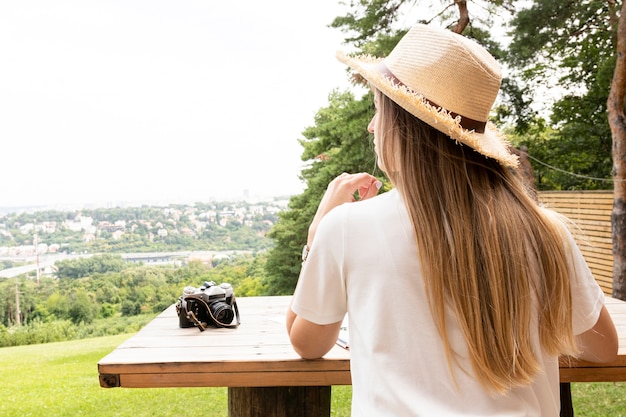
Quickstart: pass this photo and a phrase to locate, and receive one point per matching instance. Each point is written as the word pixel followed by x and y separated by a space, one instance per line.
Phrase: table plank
pixel 257 353
pixel 229 379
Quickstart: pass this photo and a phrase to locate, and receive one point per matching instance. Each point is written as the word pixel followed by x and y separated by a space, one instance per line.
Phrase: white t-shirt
pixel 363 262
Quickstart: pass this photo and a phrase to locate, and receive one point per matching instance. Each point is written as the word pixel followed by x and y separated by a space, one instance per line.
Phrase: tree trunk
pixel 617 122
pixel 464 19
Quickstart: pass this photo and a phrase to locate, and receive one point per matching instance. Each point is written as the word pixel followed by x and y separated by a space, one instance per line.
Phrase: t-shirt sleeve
pixel 587 296
pixel 320 295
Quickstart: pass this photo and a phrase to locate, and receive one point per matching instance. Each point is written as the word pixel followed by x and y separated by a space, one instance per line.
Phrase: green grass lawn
pixel 61 380
pixel 605 399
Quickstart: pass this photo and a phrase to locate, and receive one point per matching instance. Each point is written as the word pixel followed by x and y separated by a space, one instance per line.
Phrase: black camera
pixel 209 305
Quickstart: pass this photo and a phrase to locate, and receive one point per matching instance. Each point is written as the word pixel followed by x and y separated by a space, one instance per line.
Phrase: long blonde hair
pixel 488 252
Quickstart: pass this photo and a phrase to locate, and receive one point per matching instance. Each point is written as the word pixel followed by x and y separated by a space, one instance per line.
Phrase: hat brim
pixel 490 143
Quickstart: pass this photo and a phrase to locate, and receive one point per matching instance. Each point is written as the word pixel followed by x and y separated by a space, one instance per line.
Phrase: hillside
pixel 215 226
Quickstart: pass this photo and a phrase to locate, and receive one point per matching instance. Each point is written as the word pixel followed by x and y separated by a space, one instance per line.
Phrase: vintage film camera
pixel 209 305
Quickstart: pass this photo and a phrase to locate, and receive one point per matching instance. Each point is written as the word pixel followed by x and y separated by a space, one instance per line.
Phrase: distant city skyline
pixel 129 101
pixel 68 206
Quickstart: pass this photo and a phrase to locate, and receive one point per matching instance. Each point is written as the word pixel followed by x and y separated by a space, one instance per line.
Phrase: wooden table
pixel 256 361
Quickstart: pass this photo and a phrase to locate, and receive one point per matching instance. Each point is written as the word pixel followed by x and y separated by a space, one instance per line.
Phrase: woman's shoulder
pixel 382 202
pixel 382 209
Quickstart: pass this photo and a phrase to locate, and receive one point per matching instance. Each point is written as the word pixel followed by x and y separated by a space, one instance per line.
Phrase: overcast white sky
pixel 160 101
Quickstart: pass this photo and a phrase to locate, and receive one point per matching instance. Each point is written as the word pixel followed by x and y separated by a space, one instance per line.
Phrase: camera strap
pixel 202 326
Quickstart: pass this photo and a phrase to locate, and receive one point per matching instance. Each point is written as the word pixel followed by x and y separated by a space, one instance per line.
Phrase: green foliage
pixel 131 308
pixel 81 309
pixel 368 19
pixel 561 56
pixel 564 156
pixel 109 300
pixel 290 235
pixel 86 267
pixel 571 43
pixel 57 304
pixel 37 332
pixel 339 142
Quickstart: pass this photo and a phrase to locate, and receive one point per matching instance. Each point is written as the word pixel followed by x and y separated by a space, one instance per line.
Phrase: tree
pixel 58 304
pixel 617 121
pixel 339 142
pixel 561 55
pixel 84 267
pixel 82 309
pixel 582 44
pixel 131 308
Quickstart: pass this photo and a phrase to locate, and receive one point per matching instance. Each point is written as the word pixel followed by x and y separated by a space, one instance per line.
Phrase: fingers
pixel 364 184
pixel 343 188
pixel 371 191
pixel 354 182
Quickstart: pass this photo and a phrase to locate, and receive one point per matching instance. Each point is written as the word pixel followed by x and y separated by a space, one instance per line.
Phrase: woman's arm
pixel 310 340
pixel 600 343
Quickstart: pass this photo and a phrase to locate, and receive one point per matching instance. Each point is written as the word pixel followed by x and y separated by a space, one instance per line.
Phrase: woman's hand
pixel 342 190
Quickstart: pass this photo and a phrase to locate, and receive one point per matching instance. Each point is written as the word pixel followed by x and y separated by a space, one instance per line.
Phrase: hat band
pixel 465 122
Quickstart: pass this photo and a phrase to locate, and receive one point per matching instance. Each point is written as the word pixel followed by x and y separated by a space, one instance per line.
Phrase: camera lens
pixel 222 312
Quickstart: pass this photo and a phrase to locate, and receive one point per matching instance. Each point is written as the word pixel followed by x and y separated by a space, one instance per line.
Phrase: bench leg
pixel 567 409
pixel 279 401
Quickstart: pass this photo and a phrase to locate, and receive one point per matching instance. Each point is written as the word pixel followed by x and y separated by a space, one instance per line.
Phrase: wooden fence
pixel 591 211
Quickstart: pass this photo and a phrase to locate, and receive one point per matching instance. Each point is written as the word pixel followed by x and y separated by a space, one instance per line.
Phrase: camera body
pixel 208 305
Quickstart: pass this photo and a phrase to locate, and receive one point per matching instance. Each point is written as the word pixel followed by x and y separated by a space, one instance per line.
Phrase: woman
pixel 461 292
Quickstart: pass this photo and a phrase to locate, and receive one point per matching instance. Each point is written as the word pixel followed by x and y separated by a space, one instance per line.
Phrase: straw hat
pixel 444 79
